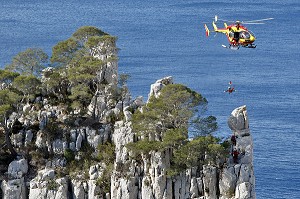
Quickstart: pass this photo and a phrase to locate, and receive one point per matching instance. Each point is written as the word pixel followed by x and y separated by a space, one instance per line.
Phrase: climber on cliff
pixel 235 155
pixel 230 88
pixel 233 140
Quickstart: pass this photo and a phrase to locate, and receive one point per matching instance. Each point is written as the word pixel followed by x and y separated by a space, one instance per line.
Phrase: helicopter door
pixel 236 36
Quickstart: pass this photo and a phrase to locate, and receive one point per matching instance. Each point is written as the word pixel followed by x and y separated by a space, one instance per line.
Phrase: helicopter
pixel 237 34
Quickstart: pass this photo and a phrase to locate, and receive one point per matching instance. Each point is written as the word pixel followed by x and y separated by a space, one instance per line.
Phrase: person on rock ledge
pixel 233 140
pixel 235 155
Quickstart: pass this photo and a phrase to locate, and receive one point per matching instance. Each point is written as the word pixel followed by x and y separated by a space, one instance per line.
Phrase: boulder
pixel 238 119
pixel 18 168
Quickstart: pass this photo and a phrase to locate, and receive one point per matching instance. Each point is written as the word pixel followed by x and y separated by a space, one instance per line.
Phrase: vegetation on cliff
pixel 165 122
pixel 71 82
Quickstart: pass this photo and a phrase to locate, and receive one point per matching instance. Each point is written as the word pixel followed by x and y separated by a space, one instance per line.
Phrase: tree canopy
pixel 165 122
pixel 29 62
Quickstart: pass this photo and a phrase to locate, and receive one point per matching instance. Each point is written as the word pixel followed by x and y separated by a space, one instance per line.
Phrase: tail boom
pixel 206 30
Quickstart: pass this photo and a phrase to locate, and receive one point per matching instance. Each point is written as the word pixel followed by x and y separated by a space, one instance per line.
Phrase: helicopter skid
pixel 236 47
pixel 249 46
pixel 232 47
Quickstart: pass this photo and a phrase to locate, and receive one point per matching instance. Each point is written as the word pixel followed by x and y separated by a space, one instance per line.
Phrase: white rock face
pixel 158 85
pixel 243 171
pixel 79 189
pixel 105 51
pixel 46 186
pixel 14 188
pixel 235 180
pixel 210 182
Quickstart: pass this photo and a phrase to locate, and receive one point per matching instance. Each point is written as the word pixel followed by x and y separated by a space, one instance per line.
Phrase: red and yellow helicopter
pixel 237 34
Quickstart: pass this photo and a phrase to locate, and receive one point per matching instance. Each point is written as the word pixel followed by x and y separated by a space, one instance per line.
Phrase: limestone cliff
pixel 149 180
pixel 43 169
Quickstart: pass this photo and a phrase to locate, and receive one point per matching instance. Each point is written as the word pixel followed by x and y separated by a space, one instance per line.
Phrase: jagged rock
pixel 73 135
pixel 17 139
pixel 200 186
pixel 127 113
pixel 65 145
pixel 130 178
pixel 18 168
pixel 210 181
pixel 28 137
pixel 56 162
pixel 93 172
pixel 194 188
pixel 50 189
pixel 138 102
pixel 57 146
pixel 44 185
pixel 73 146
pixel 78 142
pixel 41 139
pixel 93 138
pixel 122 135
pixel 79 189
pixel 43 118
pixel 243 191
pixel 45 174
pixel 158 85
pixel 228 182
pixel 15 188
pixel 93 190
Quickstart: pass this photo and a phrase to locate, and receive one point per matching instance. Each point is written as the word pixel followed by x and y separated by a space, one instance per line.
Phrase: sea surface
pixel 167 38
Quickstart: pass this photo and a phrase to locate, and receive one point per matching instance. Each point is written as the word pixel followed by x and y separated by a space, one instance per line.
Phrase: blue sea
pixel 162 38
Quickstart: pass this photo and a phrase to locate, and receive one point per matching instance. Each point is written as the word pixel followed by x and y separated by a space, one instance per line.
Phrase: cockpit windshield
pixel 244 35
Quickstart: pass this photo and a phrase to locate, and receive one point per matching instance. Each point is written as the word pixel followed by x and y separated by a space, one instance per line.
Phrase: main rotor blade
pixel 252 23
pixel 258 20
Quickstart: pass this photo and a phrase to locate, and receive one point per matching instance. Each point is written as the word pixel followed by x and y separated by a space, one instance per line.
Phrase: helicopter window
pixel 245 35
pixel 236 35
pixel 231 34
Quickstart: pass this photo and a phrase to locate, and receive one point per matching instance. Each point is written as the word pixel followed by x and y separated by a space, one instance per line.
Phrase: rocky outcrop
pixel 14 185
pixel 45 185
pixel 131 179
pixel 158 85
pixel 244 172
pixel 109 119
pixel 235 180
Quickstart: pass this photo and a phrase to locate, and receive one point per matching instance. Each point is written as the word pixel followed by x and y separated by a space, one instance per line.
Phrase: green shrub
pixel 69 155
pixel 52 185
